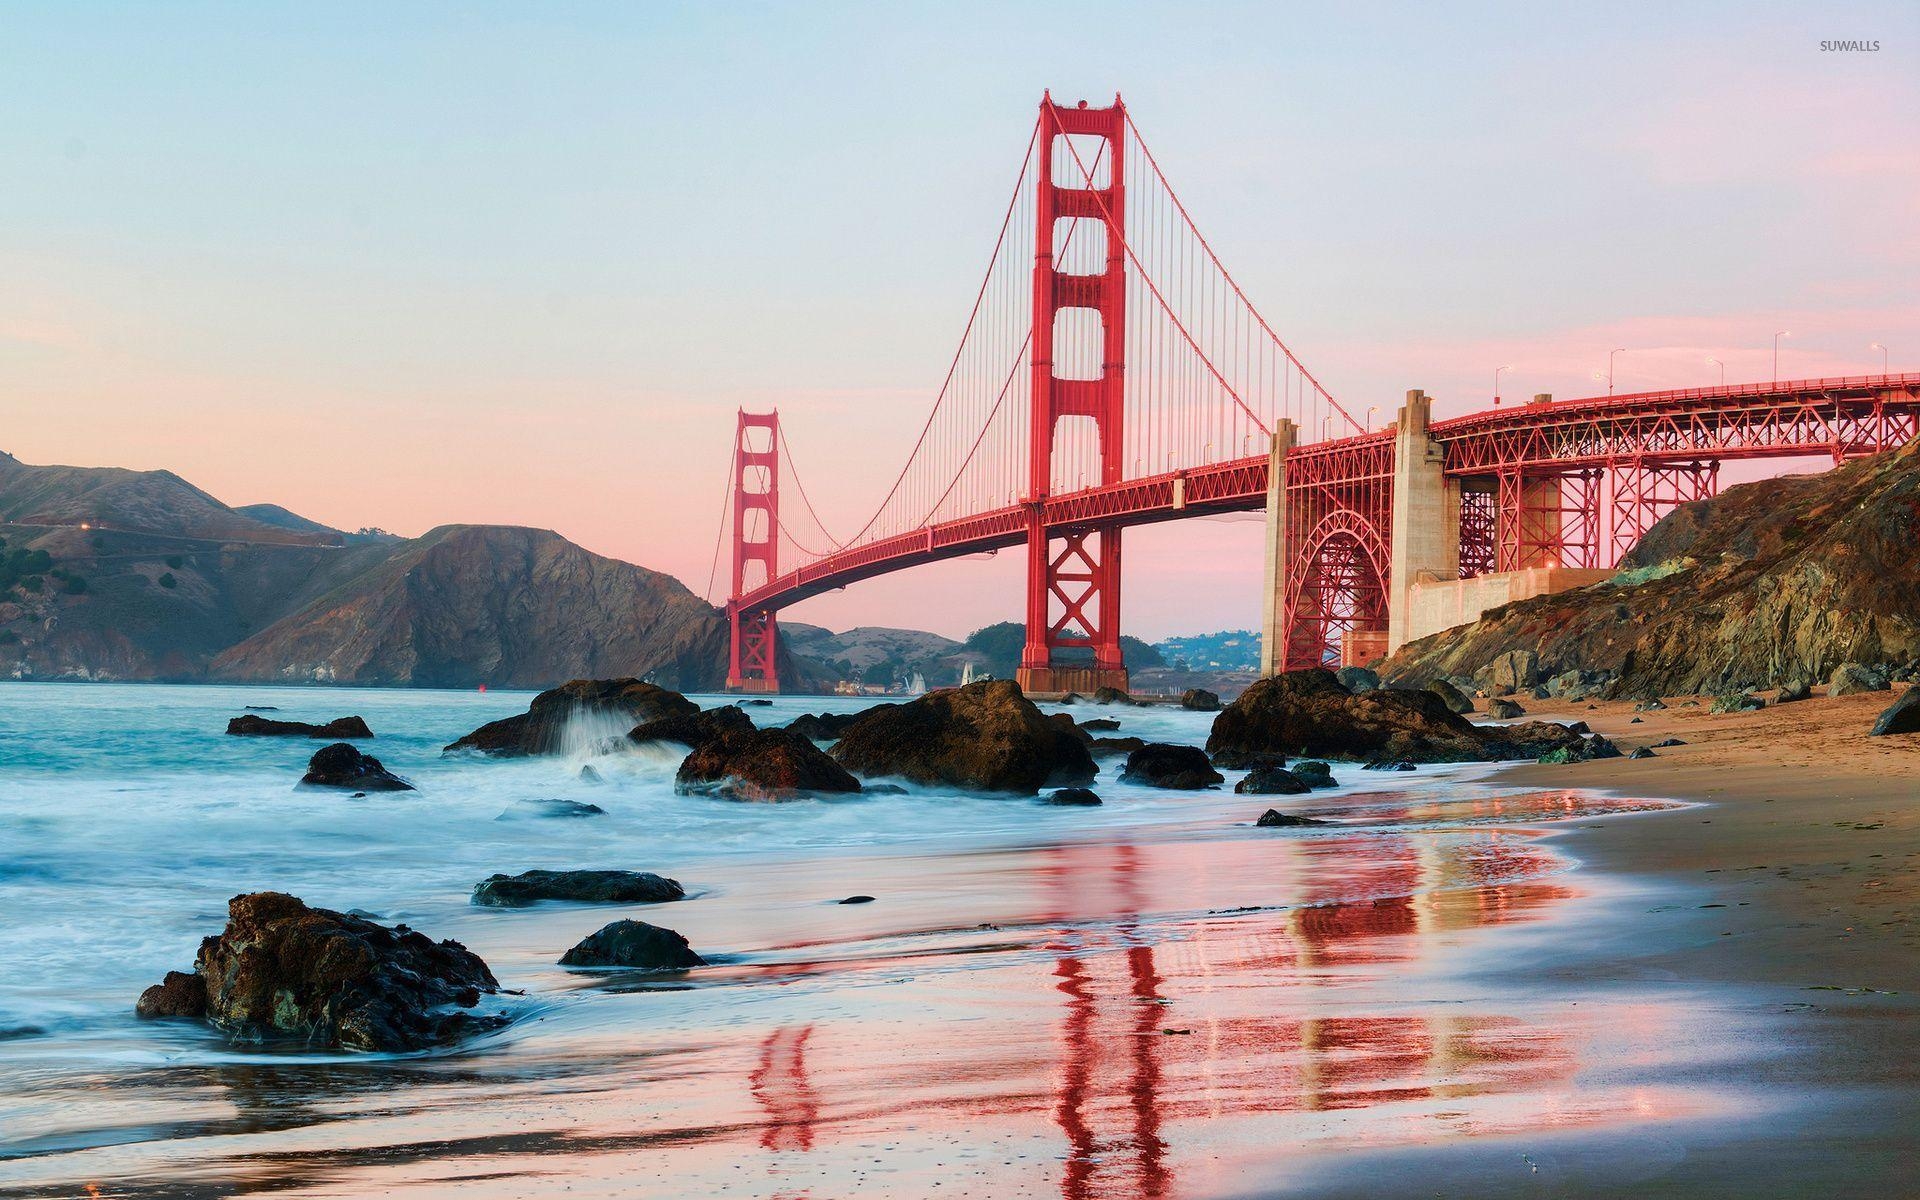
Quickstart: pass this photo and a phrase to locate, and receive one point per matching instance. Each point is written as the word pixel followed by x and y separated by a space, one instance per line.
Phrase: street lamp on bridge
pixel 1496 383
pixel 1776 353
pixel 1610 354
pixel 1723 369
pixel 1371 409
pixel 1883 356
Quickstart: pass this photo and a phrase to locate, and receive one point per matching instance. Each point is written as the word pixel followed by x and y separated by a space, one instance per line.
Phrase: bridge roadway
pixel 1791 419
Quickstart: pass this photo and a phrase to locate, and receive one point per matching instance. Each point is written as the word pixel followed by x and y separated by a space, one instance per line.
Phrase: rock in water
pixel 762 764
pixel 1357 679
pixel 1308 713
pixel 1455 699
pixel 1108 747
pixel 1314 774
pixel 985 736
pixel 1504 710
pixel 1199 700
pixel 540 729
pixel 826 727
pixel 1902 716
pixel 1179 768
pixel 581 887
pixel 1273 818
pixel 636 945
pixel 695 729
pixel 1077 796
pixel 1271 781
pixel 331 979
pixel 1099 725
pixel 532 810
pixel 342 766
pixel 1112 695
pixel 339 727
pixel 1852 678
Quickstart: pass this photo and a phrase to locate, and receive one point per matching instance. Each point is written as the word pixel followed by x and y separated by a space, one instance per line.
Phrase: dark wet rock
pixel 1902 716
pixel 589 775
pixel 1504 710
pixel 1579 727
pixel 1075 796
pixel 1455 699
pixel 579 887
pixel 1109 747
pixel 1072 698
pixel 1655 704
pixel 635 945
pixel 1308 713
pixel 1667 743
pixel 1636 721
pixel 1736 702
pixel 694 729
pixel 1112 695
pixel 10 1033
pixel 1271 781
pixel 1581 750
pixel 1852 678
pixel 856 900
pixel 1642 752
pixel 1314 774
pixel 1200 700
pixel 762 764
pixel 1273 818
pixel 342 766
pixel 1100 725
pixel 1237 759
pixel 534 810
pixel 754 703
pixel 1163 765
pixel 1540 692
pixel 1067 724
pixel 541 728
pixel 261 707
pixel 1358 679
pixel 281 968
pixel 339 727
pixel 882 789
pixel 1792 690
pixel 985 736
pixel 827 727
pixel 1388 766
pixel 180 994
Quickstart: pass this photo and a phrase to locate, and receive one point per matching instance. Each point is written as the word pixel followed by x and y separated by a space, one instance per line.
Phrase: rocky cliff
pixel 1768 582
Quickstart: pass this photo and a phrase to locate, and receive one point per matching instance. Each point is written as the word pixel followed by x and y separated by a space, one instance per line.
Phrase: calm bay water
pixel 1150 998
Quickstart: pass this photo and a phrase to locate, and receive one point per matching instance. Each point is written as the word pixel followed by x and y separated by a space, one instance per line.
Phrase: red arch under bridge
pixel 1112 373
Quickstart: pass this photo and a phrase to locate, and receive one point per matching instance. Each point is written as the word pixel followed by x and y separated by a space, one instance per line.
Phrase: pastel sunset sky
pixel 403 265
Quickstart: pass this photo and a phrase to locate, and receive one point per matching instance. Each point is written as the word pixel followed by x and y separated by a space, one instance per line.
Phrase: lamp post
pixel 1496 383
pixel 1723 369
pixel 1324 435
pixel 1371 409
pixel 1776 353
pixel 1883 356
pixel 1610 354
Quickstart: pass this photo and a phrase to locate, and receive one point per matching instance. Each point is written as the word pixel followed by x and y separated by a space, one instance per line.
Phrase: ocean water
pixel 1041 1001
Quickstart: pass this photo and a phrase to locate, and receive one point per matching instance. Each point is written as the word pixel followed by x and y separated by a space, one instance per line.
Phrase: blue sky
pixel 402 265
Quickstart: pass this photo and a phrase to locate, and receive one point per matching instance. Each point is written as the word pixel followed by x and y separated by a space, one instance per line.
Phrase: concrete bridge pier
pixel 1274 621
pixel 1425 544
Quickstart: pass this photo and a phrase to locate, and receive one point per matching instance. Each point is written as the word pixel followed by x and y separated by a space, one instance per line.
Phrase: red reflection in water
pixel 781 1086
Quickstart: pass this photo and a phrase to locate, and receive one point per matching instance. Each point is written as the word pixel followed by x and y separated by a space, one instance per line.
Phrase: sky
pixel 404 265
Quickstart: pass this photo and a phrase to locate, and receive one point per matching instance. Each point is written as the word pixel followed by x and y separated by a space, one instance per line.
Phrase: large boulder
pixel 1112 695
pixel 342 766
pixel 985 736
pixel 542 728
pixel 1074 797
pixel 1852 678
pixel 1455 699
pixel 635 945
pixel 1179 768
pixel 549 808
pixel 1200 700
pixel 1514 671
pixel 1271 781
pixel 694 729
pixel 1308 713
pixel 1273 818
pixel 762 764
pixel 329 979
pixel 1504 710
pixel 1358 679
pixel 1902 716
pixel 254 725
pixel 1108 747
pixel 1792 690
pixel 580 887
pixel 826 727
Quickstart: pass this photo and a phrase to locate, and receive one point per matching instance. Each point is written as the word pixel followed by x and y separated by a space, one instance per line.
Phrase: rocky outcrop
pixel 1112 695
pixel 578 887
pixel 634 945
pixel 1850 679
pixel 1788 578
pixel 542 728
pixel 1309 713
pixel 253 725
pixel 762 764
pixel 1110 747
pixel 1178 768
pixel 694 729
pixel 283 969
pixel 1456 700
pixel 342 766
pixel 983 737
pixel 1200 700
pixel 1902 716
pixel 1357 679
pixel 827 727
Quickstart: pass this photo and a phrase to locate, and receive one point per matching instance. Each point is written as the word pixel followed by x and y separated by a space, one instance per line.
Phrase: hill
pixel 1769 582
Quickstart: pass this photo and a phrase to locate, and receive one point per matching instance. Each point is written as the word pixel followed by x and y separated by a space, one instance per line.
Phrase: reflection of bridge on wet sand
pixel 1236 1015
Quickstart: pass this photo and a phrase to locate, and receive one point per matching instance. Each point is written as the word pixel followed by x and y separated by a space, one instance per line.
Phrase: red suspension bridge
pixel 1112 373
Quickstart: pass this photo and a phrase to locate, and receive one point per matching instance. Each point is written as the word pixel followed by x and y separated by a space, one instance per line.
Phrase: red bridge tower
pixel 1079 578
pixel 755 636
